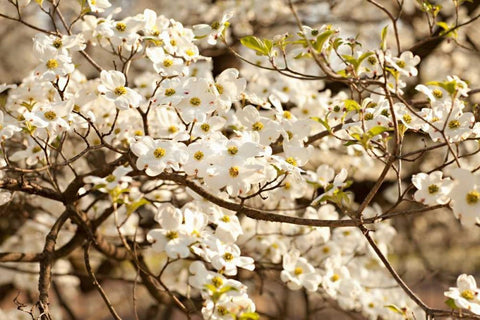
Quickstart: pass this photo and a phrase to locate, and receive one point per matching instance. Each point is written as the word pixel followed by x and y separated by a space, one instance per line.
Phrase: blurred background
pixel 429 251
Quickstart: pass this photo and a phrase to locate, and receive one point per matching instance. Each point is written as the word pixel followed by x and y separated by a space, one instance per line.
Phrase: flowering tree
pixel 202 187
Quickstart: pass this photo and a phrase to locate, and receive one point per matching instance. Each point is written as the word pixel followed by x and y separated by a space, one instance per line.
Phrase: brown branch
pixel 45 274
pixel 29 187
pixel 431 312
pixel 97 284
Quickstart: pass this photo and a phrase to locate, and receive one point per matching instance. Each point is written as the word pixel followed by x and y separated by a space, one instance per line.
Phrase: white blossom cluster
pixel 198 151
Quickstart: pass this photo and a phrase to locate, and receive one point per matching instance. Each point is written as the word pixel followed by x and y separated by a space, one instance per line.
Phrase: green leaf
pixel 226 289
pixel 210 287
pixel 364 56
pixel 447 30
pixel 351 105
pixel 383 37
pixel 395 309
pixel 451 303
pixel 449 86
pixel 376 131
pixel 337 43
pixel 249 316
pixel 135 205
pixel 324 122
pixel 322 38
pixel 262 47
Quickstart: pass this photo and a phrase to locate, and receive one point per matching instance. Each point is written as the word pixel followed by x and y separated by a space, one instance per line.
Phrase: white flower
pixel 466 294
pixel 98 5
pixel 154 156
pixel 432 189
pixel 229 87
pixel 198 101
pixel 179 231
pixel 298 273
pixel 118 179
pixel 52 67
pixel 338 184
pixel 165 64
pixel 58 45
pixel 465 196
pixel 7 128
pixel 226 258
pixel 267 129
pixel 113 88
pixel 405 64
pixel 32 154
pixel 212 31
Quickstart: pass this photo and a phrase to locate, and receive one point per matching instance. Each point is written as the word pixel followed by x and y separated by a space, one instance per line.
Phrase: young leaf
pixel 383 43
pixel 262 47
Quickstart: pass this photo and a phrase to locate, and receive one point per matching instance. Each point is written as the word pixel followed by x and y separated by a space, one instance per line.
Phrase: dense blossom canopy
pixel 201 179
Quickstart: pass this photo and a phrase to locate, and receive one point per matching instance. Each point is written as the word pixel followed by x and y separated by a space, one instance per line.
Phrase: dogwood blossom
pixel 432 189
pixel 113 89
pixel 466 294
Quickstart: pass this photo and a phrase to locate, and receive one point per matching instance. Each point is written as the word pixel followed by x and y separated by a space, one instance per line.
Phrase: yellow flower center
pixel 120 26
pixel 195 101
pixel 36 149
pixel 368 116
pixel 407 118
pixel 298 271
pixel 257 126
pixel 159 152
pixel 291 161
pixel 171 235
pixel 170 92
pixel 205 127
pixel 454 124
pixel 401 64
pixel 335 277
pixel 110 178
pixel 119 91
pixel 217 282
pixel 219 88
pixel 198 155
pixel 234 172
pixel 222 310
pixel 433 188
pixel 473 197
pixel 232 150
pixel 468 294
pixel 287 114
pixel 225 218
pixel 437 93
pixel 57 43
pixel 50 115
pixel 372 60
pixel 52 64
pixel 167 63
pixel 172 129
pixel 215 25
pixel 228 256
